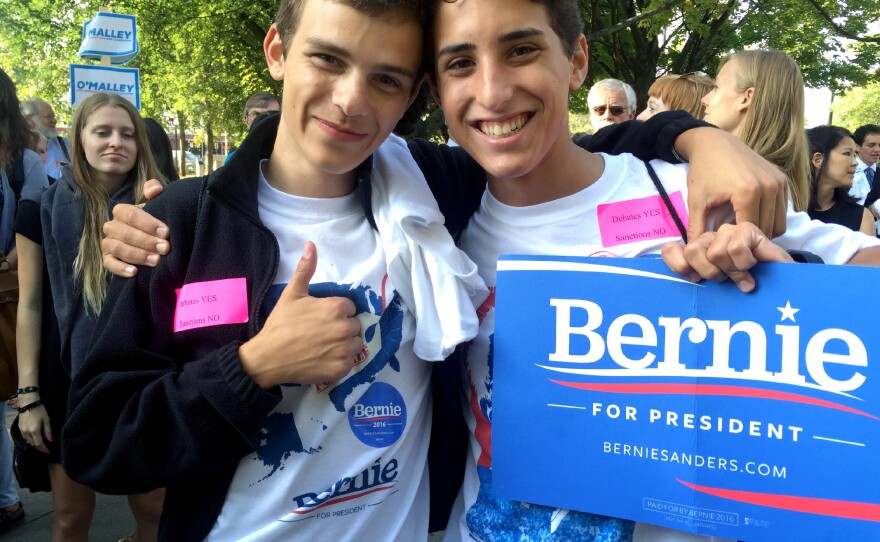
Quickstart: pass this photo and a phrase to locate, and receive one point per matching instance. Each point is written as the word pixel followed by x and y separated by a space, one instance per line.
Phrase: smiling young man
pixel 512 63
pixel 279 408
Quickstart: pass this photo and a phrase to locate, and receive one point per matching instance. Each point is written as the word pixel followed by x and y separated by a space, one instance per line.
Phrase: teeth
pixel 499 129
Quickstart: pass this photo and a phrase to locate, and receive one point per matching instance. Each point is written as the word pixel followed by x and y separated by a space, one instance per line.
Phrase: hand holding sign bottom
pixel 305 340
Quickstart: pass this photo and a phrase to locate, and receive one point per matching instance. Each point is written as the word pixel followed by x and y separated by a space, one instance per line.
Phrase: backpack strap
pixel 63 148
pixel 666 201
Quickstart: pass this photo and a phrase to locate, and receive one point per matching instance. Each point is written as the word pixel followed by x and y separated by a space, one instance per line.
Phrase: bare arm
pixel 867 257
pixel 868 227
pixel 34 423
pixel 723 169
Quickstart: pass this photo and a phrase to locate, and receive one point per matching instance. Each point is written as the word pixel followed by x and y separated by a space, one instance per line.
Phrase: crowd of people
pixel 330 268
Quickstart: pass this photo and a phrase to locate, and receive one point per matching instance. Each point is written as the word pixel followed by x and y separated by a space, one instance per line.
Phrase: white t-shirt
pixel 592 222
pixel 345 460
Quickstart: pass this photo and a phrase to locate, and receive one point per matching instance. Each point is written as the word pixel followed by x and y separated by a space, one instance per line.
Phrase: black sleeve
pixel 148 409
pixel 455 178
pixel 648 140
pixel 874 194
pixel 27 220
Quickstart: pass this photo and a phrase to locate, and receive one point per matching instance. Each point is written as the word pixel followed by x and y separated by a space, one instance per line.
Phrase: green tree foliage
pixel 637 40
pixel 202 58
pixel 858 107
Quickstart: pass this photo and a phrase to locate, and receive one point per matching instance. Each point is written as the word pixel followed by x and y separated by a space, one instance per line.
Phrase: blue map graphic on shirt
pixel 492 519
pixel 281 439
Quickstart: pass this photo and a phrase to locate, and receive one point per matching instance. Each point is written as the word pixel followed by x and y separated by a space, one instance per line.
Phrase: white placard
pixel 112 35
pixel 86 80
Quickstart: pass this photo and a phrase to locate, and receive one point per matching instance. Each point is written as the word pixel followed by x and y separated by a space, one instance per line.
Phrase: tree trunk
pixel 181 143
pixel 209 152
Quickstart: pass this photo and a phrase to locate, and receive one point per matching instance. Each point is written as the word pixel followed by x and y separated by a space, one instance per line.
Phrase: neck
pixel 565 170
pixel 110 183
pixel 825 196
pixel 287 172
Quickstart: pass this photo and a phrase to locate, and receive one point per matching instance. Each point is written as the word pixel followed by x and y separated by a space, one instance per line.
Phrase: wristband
pixel 27 407
pixel 27 389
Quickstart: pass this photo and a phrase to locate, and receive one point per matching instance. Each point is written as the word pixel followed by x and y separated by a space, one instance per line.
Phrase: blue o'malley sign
pixel 623 390
pixel 110 35
pixel 87 80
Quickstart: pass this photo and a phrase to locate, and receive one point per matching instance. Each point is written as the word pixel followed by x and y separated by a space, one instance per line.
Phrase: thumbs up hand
pixel 306 339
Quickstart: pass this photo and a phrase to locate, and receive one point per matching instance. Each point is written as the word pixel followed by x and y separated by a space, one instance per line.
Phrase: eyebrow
pixel 513 35
pixel 345 54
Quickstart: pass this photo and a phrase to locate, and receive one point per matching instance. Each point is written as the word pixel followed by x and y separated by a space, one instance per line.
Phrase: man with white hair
pixel 611 101
pixel 41 115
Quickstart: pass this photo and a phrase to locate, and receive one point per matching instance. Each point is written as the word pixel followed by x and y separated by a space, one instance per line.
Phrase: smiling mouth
pixel 506 128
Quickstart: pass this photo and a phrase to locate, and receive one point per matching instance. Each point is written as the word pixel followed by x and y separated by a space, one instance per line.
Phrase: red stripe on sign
pixel 810 505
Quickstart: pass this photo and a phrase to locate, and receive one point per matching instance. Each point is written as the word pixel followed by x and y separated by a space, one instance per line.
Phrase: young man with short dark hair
pixel 268 372
pixel 509 63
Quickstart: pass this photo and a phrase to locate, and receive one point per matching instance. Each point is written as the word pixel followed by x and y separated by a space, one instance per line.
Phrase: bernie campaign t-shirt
pixel 619 215
pixel 342 460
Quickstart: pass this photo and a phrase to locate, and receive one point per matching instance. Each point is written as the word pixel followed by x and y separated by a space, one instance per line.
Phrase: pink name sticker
pixel 641 219
pixel 211 303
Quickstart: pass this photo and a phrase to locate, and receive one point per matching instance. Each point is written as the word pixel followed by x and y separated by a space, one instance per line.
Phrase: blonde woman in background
pixel 759 97
pixel 62 288
pixel 684 92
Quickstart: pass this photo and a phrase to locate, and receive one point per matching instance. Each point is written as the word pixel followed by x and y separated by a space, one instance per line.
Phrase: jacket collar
pixel 236 182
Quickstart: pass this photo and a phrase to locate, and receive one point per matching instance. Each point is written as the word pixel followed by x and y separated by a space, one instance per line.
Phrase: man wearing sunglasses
pixel 611 101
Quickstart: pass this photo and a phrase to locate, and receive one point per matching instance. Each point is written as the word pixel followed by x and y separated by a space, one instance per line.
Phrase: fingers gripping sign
pixel 728 253
pixel 306 339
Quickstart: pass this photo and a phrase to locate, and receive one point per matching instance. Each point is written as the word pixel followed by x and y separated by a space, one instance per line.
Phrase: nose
pixel 493 88
pixel 115 140
pixel 350 95
pixel 644 115
pixel 705 99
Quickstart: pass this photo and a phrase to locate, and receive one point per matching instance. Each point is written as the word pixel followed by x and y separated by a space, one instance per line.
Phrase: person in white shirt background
pixel 867 137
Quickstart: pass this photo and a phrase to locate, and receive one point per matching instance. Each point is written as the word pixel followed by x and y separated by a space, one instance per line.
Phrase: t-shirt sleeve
pixel 35 179
pixel 833 243
pixel 27 221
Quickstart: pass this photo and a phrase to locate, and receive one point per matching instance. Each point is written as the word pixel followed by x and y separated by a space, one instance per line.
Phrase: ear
pixel 273 47
pixel 817 159
pixel 432 84
pixel 579 63
pixel 417 86
pixel 746 99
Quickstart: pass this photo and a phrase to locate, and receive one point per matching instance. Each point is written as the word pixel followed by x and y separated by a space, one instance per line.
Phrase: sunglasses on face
pixel 616 110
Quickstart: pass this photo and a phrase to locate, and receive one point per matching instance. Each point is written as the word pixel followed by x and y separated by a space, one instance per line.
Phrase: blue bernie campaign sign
pixel 623 390
pixel 86 80
pixel 113 35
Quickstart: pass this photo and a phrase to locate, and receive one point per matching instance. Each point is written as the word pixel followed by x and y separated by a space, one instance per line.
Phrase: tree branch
pixel 839 29
pixel 633 20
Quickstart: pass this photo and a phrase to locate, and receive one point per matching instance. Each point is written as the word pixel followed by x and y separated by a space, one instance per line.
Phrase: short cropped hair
pixel 612 85
pixel 289 13
pixel 863 131
pixel 260 99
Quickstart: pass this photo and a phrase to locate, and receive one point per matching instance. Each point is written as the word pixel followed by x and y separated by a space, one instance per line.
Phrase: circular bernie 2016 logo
pixel 379 417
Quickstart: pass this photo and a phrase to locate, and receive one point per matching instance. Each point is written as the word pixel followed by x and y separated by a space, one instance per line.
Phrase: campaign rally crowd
pixel 299 345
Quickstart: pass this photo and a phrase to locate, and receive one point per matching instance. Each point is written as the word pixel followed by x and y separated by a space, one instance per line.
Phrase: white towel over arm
pixel 436 280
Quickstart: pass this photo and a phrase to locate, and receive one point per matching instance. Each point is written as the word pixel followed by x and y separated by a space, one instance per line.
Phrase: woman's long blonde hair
pixel 88 268
pixel 773 125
